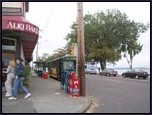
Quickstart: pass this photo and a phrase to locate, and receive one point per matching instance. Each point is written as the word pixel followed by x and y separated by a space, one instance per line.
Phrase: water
pixel 121 70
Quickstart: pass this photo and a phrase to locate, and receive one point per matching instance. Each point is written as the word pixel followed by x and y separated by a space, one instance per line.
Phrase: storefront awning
pixel 19 23
pixel 28 32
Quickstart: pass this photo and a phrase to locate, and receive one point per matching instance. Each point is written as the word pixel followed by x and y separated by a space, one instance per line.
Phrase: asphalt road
pixel 118 94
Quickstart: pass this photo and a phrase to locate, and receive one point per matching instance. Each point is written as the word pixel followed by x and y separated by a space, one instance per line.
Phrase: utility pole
pixel 37 55
pixel 80 39
pixel 37 51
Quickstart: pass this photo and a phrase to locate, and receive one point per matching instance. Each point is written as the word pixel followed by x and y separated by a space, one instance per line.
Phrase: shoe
pixel 12 98
pixel 8 95
pixel 28 95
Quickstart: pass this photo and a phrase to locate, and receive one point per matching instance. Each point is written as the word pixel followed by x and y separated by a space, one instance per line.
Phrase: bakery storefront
pixel 19 38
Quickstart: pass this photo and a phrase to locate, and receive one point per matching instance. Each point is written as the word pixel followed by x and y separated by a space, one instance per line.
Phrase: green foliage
pixel 108 35
pixel 27 74
pixel 57 53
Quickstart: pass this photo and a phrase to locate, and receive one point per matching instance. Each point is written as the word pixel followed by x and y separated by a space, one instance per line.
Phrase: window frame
pixel 15 42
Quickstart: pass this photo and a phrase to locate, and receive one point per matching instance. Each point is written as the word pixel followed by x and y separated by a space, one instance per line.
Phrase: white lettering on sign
pixel 76 91
pixel 76 82
pixel 31 28
pixel 22 26
pixel 14 25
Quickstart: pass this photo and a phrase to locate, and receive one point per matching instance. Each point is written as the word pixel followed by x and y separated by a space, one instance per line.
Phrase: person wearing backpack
pixel 19 78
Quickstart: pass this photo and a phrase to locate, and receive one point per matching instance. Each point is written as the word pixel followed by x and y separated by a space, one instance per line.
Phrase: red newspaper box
pixel 74 85
pixel 45 75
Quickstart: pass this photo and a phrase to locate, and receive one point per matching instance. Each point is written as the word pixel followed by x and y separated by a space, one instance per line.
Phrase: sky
pixel 54 20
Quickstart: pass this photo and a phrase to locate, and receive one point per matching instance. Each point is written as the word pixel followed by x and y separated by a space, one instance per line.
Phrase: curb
pixel 84 111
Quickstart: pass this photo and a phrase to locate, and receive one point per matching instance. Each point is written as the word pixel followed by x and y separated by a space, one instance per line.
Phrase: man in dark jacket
pixel 18 83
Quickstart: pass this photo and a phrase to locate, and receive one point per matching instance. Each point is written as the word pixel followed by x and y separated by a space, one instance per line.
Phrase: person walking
pixel 99 69
pixel 19 78
pixel 10 76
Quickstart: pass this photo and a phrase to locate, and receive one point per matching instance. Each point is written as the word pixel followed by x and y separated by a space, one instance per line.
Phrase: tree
pixel 108 35
pixel 130 46
pixel 27 75
pixel 56 54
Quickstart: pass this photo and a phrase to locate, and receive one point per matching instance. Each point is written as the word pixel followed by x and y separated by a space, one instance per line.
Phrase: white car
pixel 91 71
pixel 109 72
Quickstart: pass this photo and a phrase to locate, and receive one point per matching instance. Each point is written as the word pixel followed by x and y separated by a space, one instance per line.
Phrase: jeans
pixel 18 83
pixel 8 83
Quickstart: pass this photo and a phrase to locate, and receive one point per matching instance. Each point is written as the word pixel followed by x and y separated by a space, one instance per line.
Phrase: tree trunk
pixel 130 63
pixel 103 64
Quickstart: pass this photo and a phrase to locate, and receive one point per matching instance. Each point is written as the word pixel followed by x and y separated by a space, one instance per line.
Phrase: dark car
pixel 136 73
pixel 90 71
pixel 109 72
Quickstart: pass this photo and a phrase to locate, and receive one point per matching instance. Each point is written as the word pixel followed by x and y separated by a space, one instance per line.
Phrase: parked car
pixel 109 72
pixel 90 71
pixel 136 73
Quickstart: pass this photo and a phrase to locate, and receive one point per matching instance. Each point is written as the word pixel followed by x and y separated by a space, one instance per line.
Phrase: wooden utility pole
pixel 80 39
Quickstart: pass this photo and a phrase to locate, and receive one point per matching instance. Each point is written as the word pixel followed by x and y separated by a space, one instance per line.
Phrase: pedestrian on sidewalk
pixel 10 76
pixel 19 78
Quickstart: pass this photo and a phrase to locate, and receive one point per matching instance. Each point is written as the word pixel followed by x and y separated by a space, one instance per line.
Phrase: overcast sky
pixel 55 18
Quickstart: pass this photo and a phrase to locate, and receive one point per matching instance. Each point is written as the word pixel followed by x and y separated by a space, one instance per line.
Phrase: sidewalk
pixel 47 97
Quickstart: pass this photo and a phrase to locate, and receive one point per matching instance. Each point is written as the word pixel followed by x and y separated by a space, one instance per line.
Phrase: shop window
pixel 6 58
pixel 9 44
pixel 68 65
pixel 12 11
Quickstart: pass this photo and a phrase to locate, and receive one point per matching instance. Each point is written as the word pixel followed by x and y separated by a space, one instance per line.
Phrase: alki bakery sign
pixel 23 27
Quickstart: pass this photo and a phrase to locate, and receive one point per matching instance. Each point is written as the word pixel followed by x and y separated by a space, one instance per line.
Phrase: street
pixel 118 94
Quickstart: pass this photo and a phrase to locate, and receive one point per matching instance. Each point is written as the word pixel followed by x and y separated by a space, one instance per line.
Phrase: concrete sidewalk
pixel 47 97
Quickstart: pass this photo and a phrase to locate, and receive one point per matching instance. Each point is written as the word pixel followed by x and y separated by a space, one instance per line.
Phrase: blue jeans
pixel 18 83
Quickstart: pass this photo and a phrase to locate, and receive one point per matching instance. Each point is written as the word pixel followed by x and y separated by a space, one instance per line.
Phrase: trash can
pixel 45 75
pixel 39 72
